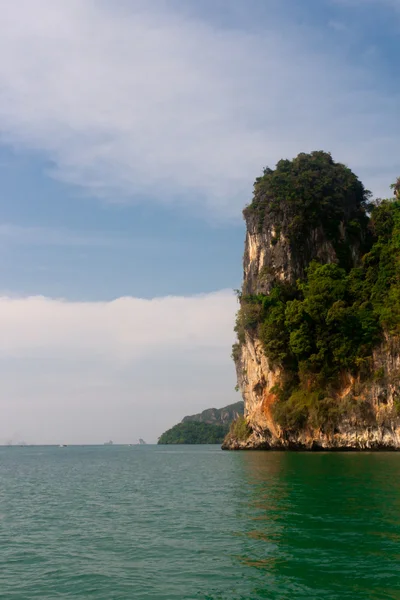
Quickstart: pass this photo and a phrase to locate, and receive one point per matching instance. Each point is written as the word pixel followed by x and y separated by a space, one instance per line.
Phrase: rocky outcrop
pixel 375 427
pixel 269 256
pixel 370 415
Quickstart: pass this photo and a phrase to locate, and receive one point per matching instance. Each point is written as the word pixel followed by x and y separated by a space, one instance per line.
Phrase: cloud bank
pixel 139 103
pixel 122 370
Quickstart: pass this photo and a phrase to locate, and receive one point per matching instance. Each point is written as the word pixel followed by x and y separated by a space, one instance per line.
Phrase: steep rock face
pixel 273 254
pixel 268 258
pixel 280 245
pixel 378 429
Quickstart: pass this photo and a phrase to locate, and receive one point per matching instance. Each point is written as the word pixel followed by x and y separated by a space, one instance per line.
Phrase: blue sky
pixel 58 241
pixel 130 135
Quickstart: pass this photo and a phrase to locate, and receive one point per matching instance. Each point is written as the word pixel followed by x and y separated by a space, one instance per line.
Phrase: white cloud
pixel 83 372
pixel 143 104
pixel 123 329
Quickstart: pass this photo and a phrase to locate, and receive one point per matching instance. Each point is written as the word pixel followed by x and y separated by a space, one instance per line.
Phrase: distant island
pixel 208 427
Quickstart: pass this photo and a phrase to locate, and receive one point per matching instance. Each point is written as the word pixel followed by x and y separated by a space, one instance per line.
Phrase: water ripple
pixel 197 523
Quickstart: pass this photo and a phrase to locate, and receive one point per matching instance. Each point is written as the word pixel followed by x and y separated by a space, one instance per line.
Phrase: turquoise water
pixel 197 523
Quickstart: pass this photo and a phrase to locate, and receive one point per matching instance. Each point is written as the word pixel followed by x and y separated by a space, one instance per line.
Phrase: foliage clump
pixel 239 429
pixel 308 192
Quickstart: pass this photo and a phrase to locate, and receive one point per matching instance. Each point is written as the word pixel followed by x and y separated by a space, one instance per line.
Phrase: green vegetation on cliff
pixel 239 429
pixel 329 320
pixel 308 192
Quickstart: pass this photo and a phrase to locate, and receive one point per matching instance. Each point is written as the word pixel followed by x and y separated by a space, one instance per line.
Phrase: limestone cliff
pixel 320 213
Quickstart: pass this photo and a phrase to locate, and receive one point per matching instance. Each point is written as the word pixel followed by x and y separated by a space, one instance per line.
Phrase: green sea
pixel 194 522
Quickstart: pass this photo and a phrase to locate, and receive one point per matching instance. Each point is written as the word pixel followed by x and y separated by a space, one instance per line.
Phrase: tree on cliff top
pixel 310 190
pixel 396 188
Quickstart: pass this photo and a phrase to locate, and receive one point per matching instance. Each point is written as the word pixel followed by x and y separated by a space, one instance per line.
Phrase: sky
pixel 131 133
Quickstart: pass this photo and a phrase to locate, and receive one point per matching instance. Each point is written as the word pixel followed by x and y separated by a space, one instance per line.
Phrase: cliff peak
pixel 304 209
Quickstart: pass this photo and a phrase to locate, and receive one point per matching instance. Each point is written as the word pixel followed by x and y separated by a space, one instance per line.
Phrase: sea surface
pixel 188 522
